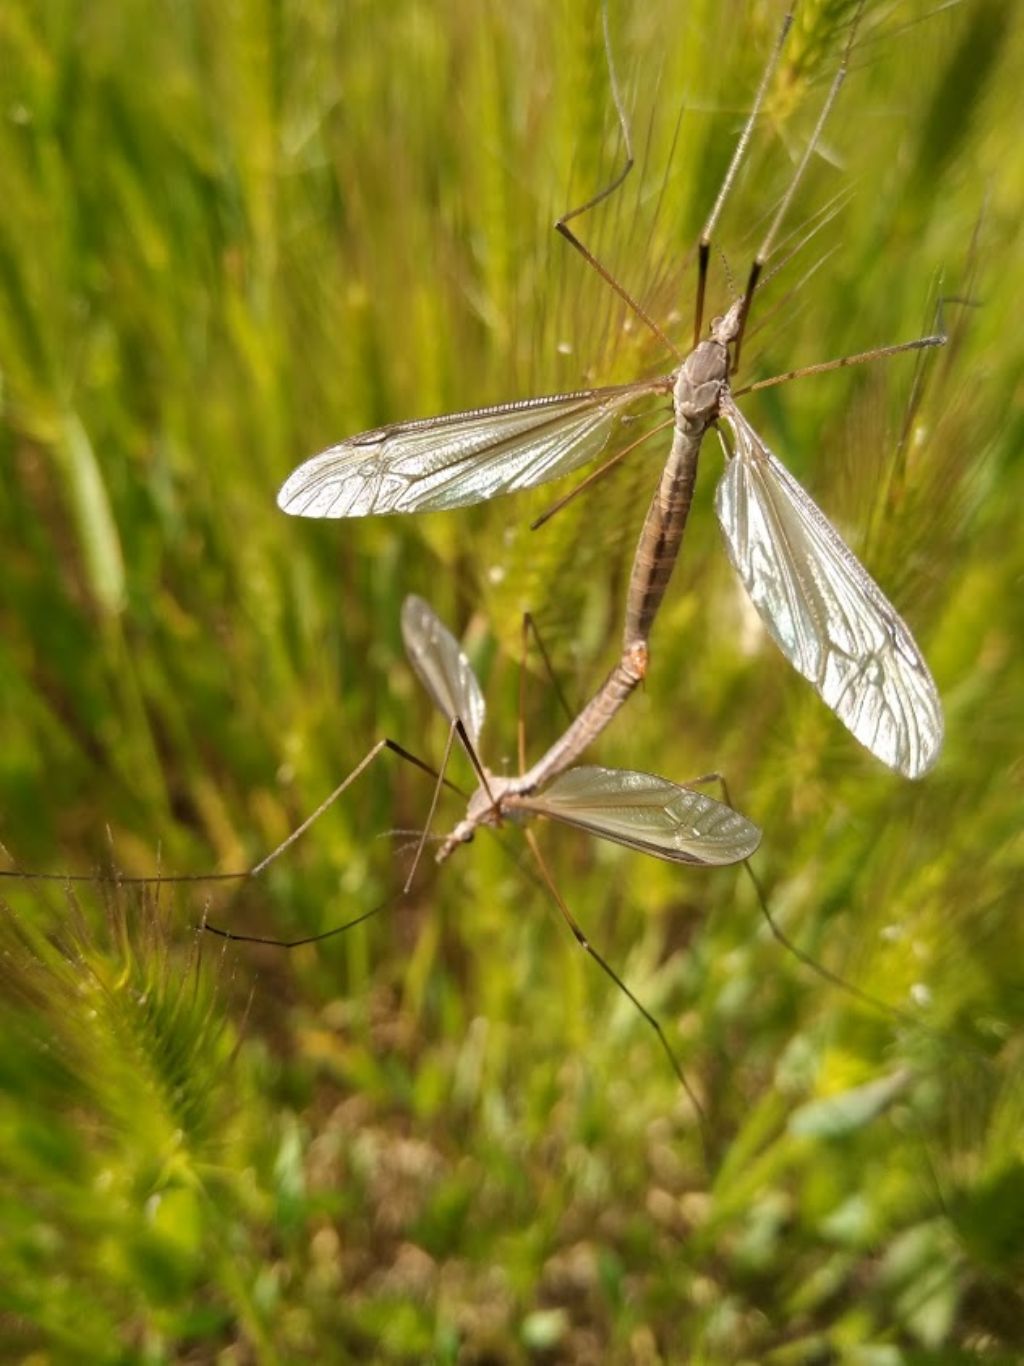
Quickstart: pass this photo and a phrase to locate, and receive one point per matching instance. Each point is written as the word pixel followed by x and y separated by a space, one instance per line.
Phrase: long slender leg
pixel 100 879
pixel 118 879
pixel 704 245
pixel 360 768
pixel 780 936
pixel 562 226
pixel 433 808
pixel 474 758
pixel 456 728
pixel 530 628
pixel 521 717
pixel 325 805
pixel 819 969
pixel 859 358
pixel 221 933
pixel 599 473
pixel 609 971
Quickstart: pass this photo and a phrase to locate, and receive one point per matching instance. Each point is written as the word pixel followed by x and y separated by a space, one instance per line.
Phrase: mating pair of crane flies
pixel 819 604
pixel 822 608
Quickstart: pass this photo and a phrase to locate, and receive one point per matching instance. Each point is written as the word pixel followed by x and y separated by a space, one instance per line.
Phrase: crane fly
pixel 641 811
pixel 819 604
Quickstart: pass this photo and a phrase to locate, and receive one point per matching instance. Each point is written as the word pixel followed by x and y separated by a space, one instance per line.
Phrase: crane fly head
pixel 484 809
pixel 727 328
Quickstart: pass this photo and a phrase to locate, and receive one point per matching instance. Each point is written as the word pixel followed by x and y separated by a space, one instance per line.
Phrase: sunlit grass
pixel 232 235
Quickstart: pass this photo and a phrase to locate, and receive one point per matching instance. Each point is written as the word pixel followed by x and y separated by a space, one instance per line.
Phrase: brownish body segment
pixel 702 379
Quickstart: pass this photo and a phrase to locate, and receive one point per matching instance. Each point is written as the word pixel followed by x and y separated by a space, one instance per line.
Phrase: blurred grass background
pixel 231 235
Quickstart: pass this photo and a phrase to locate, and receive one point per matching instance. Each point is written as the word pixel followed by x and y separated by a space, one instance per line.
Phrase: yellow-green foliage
pixel 232 233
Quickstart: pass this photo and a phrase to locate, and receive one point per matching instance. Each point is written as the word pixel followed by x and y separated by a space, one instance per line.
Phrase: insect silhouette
pixel 819 604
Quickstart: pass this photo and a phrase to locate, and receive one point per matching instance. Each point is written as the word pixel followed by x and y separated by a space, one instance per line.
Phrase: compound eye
pixel 468 839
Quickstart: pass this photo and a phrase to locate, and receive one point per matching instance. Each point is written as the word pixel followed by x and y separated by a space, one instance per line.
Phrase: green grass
pixel 232 234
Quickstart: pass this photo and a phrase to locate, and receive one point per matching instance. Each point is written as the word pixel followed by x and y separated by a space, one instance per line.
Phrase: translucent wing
pixel 463 458
pixel 443 668
pixel 825 612
pixel 646 813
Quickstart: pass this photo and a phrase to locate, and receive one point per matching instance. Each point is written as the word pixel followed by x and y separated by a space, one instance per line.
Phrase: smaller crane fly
pixel 639 810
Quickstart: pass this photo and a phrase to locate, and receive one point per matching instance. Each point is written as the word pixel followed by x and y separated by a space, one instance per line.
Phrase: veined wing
pixel 462 458
pixel 827 615
pixel 442 666
pixel 646 813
